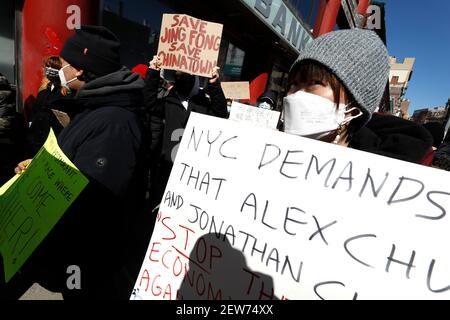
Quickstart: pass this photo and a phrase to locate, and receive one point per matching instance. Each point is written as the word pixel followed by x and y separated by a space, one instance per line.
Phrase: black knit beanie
pixel 94 49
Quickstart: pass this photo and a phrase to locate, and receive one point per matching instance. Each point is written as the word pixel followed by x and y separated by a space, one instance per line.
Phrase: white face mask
pixel 264 105
pixel 62 77
pixel 312 116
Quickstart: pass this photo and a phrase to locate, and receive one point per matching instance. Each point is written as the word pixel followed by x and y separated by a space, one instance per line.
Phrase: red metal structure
pixel 320 14
pixel 43 29
pixel 330 14
pixel 258 86
pixel 362 6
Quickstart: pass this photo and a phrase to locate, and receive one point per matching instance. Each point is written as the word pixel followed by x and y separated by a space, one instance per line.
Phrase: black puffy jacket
pixel 393 137
pixel 175 115
pixel 99 232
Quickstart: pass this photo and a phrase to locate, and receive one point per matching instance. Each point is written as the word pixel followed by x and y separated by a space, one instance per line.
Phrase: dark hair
pixel 52 62
pixel 55 63
pixel 310 69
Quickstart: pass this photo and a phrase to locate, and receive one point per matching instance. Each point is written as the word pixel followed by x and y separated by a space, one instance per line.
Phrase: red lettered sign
pixel 189 44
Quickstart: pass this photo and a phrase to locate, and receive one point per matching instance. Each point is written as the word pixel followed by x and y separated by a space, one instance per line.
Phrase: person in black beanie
pixel 267 100
pixel 106 141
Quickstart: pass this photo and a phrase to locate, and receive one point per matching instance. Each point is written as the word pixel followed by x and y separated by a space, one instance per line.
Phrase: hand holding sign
pixel 189 44
pixel 155 63
pixel 215 75
pixel 32 203
pixel 22 166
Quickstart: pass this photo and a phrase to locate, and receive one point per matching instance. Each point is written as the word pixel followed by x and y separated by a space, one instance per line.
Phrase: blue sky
pixel 421 29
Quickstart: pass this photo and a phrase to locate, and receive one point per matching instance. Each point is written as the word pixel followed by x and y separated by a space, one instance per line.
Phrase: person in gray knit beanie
pixel 336 84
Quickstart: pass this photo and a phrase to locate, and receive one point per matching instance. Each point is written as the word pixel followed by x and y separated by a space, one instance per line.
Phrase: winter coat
pixel 98 233
pixel 42 118
pixel 442 156
pixel 175 114
pixel 393 137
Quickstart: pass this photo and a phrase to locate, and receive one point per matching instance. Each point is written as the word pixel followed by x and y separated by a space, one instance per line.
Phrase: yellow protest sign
pixel 32 203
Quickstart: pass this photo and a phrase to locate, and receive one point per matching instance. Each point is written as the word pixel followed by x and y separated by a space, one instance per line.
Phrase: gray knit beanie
pixel 360 61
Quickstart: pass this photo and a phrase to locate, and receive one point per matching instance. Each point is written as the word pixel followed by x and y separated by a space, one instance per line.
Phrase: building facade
pixel 260 40
pixel 399 77
pixel 439 114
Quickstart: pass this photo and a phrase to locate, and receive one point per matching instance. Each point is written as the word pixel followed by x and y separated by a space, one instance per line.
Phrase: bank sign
pixel 276 15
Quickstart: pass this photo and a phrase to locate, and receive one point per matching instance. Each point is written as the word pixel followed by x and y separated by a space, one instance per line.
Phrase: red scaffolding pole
pixel 362 6
pixel 330 16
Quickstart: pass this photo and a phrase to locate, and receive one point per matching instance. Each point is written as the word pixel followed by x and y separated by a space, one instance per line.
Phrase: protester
pixel 48 110
pixel 155 128
pixel 167 82
pixel 100 232
pixel 267 100
pixel 185 97
pixel 335 86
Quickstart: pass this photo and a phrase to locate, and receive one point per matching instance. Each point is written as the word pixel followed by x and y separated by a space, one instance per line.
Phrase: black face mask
pixel 184 84
pixel 52 75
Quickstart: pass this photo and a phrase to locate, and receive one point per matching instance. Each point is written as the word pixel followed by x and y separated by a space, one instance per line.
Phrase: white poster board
pixel 255 116
pixel 296 219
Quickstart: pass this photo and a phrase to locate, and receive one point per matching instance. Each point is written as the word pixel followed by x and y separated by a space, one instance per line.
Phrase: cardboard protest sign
pixel 258 117
pixel 236 90
pixel 189 44
pixel 32 203
pixel 251 213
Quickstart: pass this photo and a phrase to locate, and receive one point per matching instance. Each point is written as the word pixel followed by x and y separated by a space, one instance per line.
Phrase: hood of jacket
pixel 393 137
pixel 120 89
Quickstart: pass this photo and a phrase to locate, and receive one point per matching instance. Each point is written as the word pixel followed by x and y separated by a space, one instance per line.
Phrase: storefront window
pixel 137 24
pixel 232 68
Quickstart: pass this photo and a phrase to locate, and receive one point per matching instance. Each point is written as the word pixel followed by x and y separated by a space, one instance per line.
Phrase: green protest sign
pixel 32 203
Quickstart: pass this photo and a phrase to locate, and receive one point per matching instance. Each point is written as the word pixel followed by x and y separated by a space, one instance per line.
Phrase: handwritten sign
pixel 255 116
pixel 252 213
pixel 32 203
pixel 236 90
pixel 189 44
